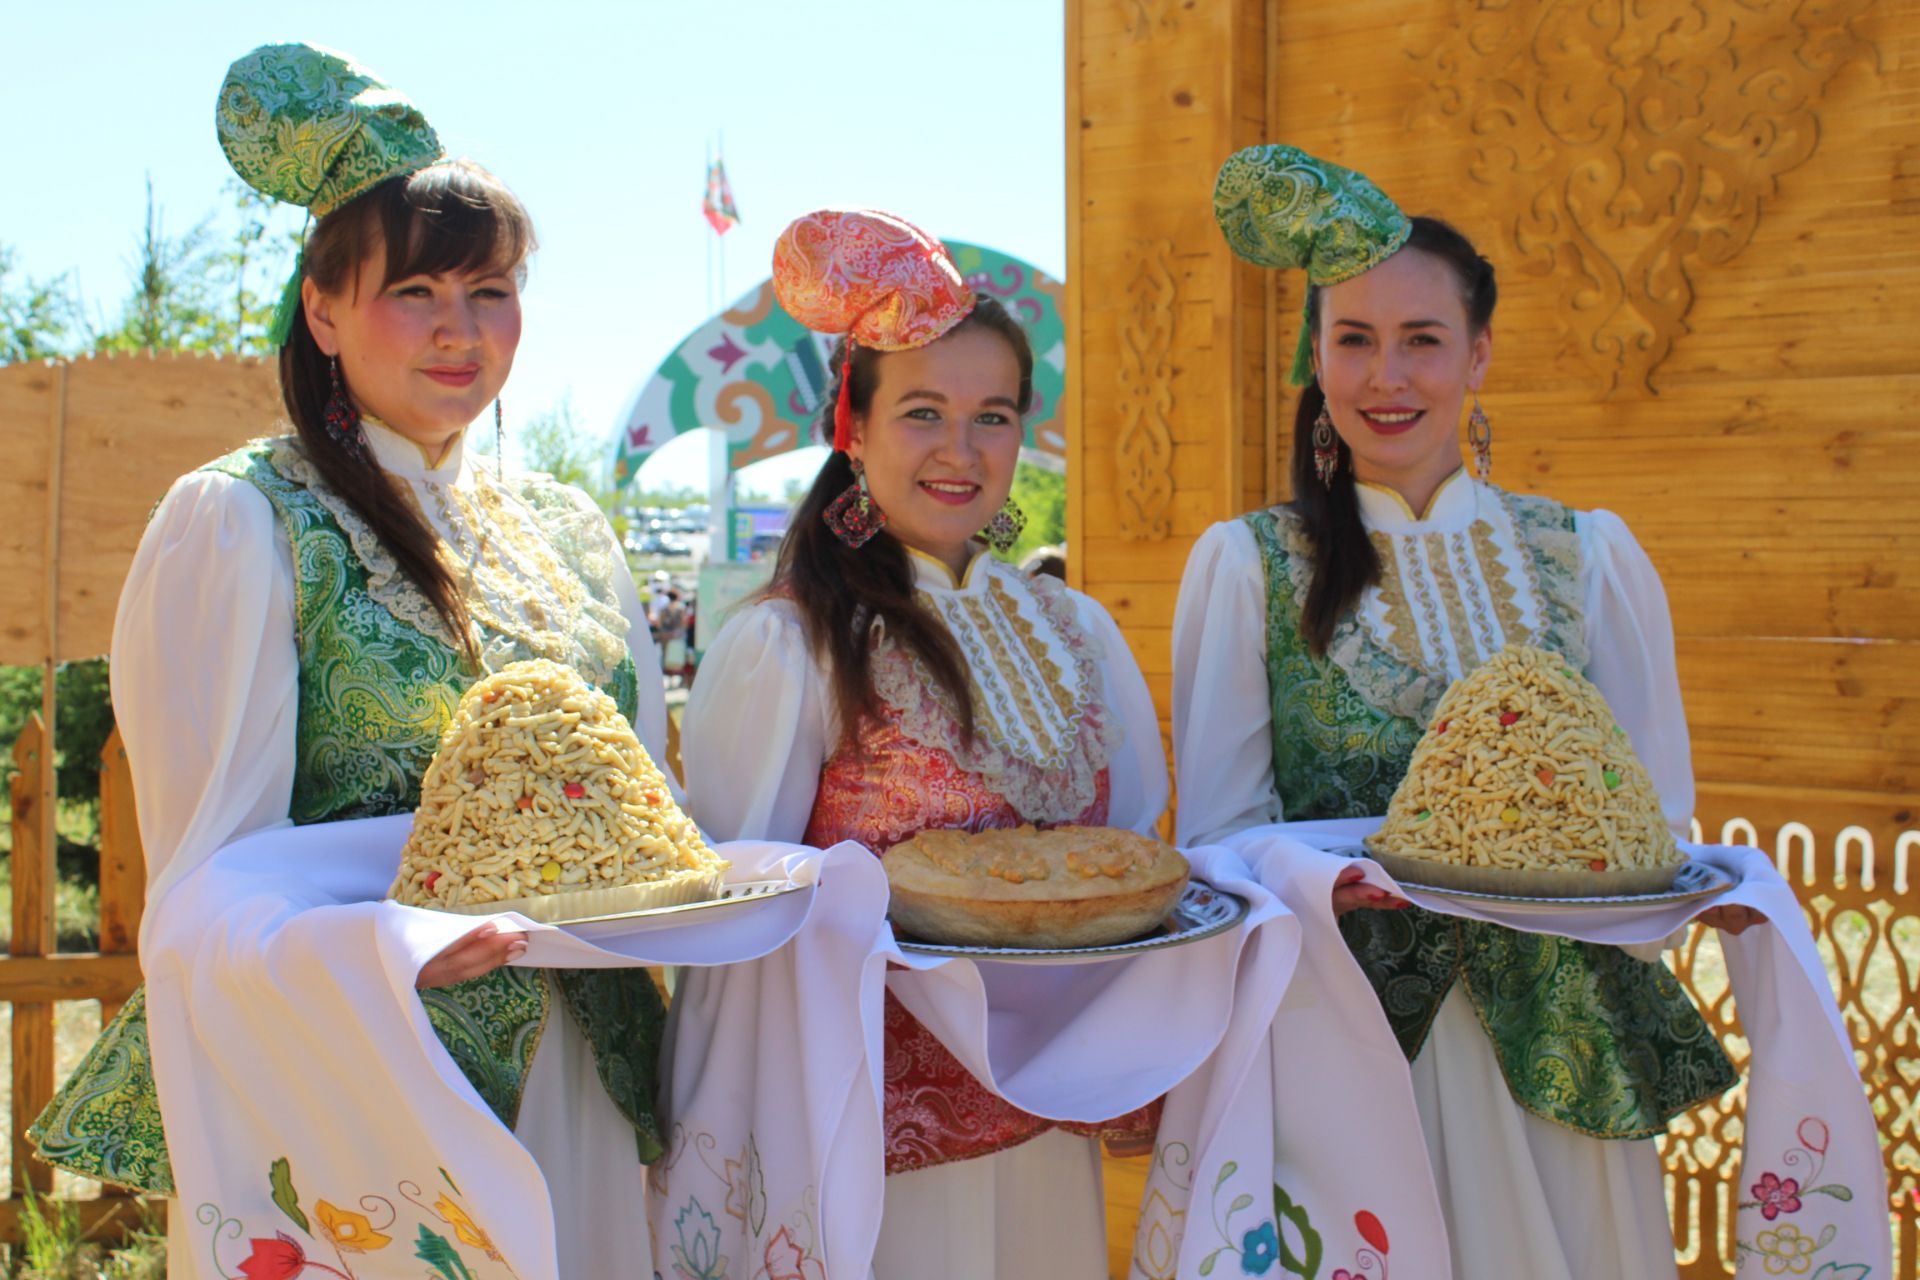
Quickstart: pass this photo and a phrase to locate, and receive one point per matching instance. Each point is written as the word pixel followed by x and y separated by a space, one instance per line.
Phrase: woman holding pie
pixel 896 677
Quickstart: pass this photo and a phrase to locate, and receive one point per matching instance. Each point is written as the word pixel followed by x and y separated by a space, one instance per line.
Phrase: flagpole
pixel 721 151
pixel 707 172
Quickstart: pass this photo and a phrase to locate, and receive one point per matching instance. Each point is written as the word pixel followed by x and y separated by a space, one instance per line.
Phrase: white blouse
pixel 1223 706
pixel 205 671
pixel 760 723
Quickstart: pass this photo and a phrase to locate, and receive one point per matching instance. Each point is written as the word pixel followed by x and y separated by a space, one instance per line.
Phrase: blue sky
pixel 598 114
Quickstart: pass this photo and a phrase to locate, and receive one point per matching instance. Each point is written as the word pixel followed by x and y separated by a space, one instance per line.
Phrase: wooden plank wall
pixel 1706 297
pixel 1167 337
pixel 124 429
pixel 1769 462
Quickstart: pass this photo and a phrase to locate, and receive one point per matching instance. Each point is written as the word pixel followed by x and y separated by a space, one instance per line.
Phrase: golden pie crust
pixel 1062 887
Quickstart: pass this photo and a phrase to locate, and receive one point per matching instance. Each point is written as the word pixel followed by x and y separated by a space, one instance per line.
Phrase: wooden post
pixel 123 870
pixel 33 880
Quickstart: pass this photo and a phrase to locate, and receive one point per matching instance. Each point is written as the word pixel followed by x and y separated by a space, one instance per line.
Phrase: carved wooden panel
pixel 1145 377
pixel 1630 144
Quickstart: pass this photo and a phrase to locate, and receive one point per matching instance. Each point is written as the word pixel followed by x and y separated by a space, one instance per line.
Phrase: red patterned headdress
pixel 876 278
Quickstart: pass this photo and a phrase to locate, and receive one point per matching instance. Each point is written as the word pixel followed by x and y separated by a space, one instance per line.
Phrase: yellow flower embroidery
pixel 349 1230
pixel 1786 1250
pixel 465 1229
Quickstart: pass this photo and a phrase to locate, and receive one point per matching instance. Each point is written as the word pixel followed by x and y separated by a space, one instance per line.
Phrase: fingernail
pixel 517 950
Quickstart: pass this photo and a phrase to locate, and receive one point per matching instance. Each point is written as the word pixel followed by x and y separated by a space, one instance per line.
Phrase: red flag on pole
pixel 718 205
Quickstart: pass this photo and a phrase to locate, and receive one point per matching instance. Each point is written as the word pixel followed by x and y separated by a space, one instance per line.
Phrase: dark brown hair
pixel 1344 560
pixel 449 218
pixel 843 593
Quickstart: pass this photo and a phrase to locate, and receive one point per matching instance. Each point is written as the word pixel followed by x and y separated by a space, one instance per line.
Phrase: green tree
pixel 178 286
pixel 263 250
pixel 552 442
pixel 39 319
pixel 1042 495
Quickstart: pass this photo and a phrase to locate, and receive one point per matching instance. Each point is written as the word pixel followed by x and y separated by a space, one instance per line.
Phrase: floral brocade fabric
pixel 375 692
pixel 882 791
pixel 1587 1036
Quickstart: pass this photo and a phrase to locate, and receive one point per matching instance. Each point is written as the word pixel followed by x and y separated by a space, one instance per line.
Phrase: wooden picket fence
pixel 35 973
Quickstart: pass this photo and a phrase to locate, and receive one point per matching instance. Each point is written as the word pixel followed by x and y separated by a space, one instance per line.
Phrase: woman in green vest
pixel 1311 643
pixel 304 614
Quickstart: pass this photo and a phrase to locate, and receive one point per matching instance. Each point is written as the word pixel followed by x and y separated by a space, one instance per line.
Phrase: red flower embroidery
pixel 1777 1195
pixel 277 1259
pixel 786 1261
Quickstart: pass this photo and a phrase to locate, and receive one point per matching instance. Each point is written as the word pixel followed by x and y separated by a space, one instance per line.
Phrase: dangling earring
pixel 1480 436
pixel 1004 529
pixel 1326 450
pixel 499 443
pixel 342 419
pixel 854 516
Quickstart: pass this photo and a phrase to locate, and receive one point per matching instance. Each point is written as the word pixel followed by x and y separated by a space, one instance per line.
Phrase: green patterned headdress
pixel 1280 207
pixel 313 128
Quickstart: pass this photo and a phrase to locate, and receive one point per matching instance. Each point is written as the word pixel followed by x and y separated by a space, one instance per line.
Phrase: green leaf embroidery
pixel 436 1252
pixel 450 1182
pixel 1240 1202
pixel 1227 1170
pixel 281 1175
pixel 1833 1189
pixel 1206 1264
pixel 1306 1263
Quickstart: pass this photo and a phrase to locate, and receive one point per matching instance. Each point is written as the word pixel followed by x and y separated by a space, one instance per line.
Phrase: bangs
pixel 453 218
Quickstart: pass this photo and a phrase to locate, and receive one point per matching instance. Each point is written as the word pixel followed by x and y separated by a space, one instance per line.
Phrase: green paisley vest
pixel 1587 1036
pixel 375 692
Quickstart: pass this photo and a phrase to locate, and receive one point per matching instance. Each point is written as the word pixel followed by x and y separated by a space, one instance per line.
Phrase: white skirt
pixel 1524 1197
pixel 588 1152
pixel 1030 1213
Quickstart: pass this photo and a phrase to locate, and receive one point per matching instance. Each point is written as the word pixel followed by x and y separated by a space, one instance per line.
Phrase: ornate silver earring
pixel 1004 529
pixel 854 516
pixel 1480 438
pixel 1326 448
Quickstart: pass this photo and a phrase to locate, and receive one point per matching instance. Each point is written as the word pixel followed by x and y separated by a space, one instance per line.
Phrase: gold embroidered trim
pixel 1402 636
pixel 560 571
pixel 1493 567
pixel 1453 605
pixel 1386 658
pixel 1041 792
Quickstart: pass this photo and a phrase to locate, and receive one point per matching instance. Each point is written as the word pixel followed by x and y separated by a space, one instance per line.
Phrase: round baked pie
pixel 1021 887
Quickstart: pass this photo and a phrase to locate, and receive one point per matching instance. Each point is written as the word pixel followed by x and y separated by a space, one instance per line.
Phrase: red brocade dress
pixel 1065 731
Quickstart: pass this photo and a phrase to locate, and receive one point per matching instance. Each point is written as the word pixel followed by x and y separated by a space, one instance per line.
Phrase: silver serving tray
pixel 1693 880
pixel 733 898
pixel 1202 912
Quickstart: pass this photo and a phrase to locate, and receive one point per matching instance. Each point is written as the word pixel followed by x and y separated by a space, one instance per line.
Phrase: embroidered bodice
pixel 1587 1035
pixel 1042 739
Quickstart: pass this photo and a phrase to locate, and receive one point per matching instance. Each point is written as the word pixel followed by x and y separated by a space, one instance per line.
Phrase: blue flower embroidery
pixel 1259 1249
pixel 697 1256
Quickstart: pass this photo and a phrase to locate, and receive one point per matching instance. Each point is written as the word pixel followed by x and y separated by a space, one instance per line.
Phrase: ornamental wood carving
pixel 1146 392
pixel 1630 144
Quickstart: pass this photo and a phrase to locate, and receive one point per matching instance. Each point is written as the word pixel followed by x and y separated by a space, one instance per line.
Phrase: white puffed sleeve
pixel 1222 705
pixel 1137 773
pixel 205 673
pixel 757 729
pixel 1630 657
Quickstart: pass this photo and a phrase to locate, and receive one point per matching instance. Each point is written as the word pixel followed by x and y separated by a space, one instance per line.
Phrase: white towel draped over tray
pixel 297 1065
